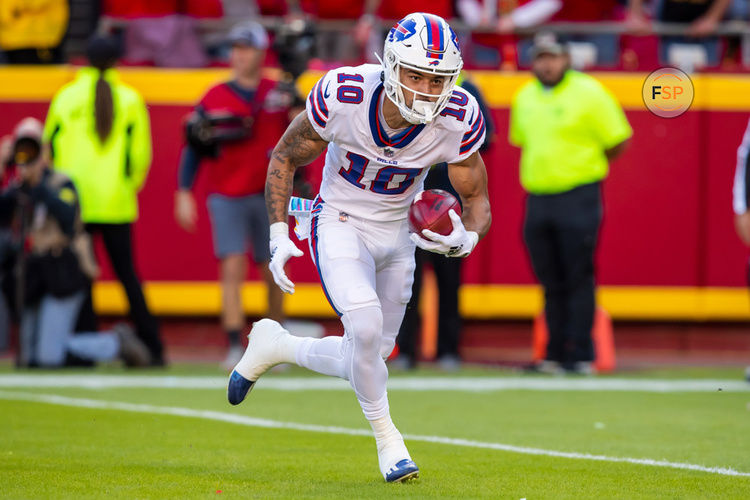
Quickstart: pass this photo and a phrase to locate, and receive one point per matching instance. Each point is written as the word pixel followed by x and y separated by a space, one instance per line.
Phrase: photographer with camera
pixel 232 132
pixel 54 263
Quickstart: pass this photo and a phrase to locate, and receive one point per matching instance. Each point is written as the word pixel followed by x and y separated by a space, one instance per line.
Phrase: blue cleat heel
pixel 238 388
pixel 402 471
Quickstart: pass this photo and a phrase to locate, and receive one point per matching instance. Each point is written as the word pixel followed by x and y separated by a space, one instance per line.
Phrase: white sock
pixel 324 355
pixel 391 447
pixel 288 347
pixel 385 432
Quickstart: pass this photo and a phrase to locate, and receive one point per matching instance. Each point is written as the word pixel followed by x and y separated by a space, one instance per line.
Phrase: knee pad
pixel 366 327
pixel 386 347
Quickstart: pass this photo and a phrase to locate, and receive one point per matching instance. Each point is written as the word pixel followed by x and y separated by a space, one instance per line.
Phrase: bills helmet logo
pixel 454 38
pixel 433 38
pixel 403 29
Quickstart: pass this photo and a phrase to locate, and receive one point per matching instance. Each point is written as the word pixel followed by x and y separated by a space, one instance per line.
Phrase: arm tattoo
pixel 299 145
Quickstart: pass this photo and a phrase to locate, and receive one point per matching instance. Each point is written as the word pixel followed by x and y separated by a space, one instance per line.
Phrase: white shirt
pixel 368 174
pixel 740 190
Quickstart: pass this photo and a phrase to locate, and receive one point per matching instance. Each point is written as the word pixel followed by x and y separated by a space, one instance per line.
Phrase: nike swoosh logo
pixel 325 92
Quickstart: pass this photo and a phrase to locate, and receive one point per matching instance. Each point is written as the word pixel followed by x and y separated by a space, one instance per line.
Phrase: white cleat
pixel 395 463
pixel 265 348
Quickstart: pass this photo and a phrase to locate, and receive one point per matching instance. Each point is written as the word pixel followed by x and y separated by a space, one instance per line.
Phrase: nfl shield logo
pixel 388 152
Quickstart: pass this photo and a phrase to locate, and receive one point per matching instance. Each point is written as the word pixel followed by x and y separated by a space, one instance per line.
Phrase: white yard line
pixel 273 424
pixel 397 383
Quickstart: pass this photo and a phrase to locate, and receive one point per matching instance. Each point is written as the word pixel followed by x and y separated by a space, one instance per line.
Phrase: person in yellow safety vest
pixel 569 128
pixel 31 31
pixel 99 132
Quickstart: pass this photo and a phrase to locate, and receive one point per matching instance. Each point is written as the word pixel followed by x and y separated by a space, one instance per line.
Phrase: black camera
pixel 205 131
pixel 294 45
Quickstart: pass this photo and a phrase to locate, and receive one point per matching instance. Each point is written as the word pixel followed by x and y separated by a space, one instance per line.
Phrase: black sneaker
pixel 133 352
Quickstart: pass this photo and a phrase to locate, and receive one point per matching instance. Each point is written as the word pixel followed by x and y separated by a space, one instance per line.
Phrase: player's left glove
pixel 459 243
pixel 282 249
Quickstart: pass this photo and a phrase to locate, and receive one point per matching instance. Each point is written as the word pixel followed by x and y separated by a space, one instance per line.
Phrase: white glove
pixel 282 249
pixel 459 243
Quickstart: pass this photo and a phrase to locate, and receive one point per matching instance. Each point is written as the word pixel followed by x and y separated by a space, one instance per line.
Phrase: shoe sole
pixel 407 477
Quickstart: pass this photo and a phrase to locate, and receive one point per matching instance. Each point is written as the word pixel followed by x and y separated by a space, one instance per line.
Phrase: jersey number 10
pixel 387 180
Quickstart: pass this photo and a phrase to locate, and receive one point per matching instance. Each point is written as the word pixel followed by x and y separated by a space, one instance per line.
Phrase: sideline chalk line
pixel 273 424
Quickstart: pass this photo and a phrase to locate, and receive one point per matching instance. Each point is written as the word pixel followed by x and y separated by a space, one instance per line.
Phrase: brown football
pixel 429 210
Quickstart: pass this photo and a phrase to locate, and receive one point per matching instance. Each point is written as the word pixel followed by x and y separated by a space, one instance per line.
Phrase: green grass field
pixel 61 440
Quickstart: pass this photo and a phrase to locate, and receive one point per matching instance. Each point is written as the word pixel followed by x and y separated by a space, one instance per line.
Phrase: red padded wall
pixel 668 218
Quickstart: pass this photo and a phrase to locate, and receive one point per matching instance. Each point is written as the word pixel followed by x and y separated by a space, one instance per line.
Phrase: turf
pixel 53 451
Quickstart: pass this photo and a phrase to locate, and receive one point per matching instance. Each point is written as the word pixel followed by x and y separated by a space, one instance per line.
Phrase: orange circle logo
pixel 668 92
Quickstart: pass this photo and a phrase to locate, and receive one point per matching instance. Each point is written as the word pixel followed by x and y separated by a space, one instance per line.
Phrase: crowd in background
pixel 604 34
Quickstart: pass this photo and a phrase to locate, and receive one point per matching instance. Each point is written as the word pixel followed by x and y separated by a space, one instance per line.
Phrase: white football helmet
pixel 422 42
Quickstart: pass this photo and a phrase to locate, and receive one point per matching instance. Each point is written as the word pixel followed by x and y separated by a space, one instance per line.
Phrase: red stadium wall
pixel 668 217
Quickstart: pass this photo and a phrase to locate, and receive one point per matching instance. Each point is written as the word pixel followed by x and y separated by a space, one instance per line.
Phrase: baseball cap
pixel 547 43
pixel 27 141
pixel 250 34
pixel 102 51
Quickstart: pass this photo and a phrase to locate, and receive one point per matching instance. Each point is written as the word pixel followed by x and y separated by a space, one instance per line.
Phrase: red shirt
pixel 271 7
pixel 158 8
pixel 240 168
pixel 586 10
pixel 140 8
pixel 333 9
pixel 393 9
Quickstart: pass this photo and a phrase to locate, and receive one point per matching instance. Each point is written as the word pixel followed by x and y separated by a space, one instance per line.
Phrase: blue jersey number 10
pixel 387 180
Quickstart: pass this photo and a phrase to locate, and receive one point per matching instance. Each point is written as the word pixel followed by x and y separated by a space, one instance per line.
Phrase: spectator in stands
pixel 741 200
pixel 164 32
pixel 489 49
pixel 702 16
pixel 231 133
pixel 568 127
pixel 99 132
pixel 58 264
pixel 331 44
pixel 447 271
pixel 506 17
pixel 393 10
pixel 31 32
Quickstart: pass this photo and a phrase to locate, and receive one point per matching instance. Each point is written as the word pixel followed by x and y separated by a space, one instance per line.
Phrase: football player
pixel 383 126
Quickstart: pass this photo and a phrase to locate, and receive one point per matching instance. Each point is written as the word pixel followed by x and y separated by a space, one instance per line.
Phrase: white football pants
pixel 366 269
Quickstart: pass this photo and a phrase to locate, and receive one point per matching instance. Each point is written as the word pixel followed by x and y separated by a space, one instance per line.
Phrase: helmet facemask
pixel 420 111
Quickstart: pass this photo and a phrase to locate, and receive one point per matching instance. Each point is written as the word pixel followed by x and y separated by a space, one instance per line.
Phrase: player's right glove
pixel 459 243
pixel 282 249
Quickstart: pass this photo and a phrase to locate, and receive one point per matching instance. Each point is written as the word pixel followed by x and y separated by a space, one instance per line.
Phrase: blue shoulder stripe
pixel 314 109
pixel 466 146
pixel 474 127
pixel 322 107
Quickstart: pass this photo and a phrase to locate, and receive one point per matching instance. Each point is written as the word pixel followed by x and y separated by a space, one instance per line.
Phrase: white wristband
pixel 474 237
pixel 279 229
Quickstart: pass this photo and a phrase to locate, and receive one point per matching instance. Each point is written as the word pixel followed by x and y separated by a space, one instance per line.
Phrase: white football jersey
pixel 368 172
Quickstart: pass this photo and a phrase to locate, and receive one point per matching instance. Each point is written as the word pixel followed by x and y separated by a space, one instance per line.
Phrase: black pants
pixel 448 274
pixel 119 245
pixel 560 232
